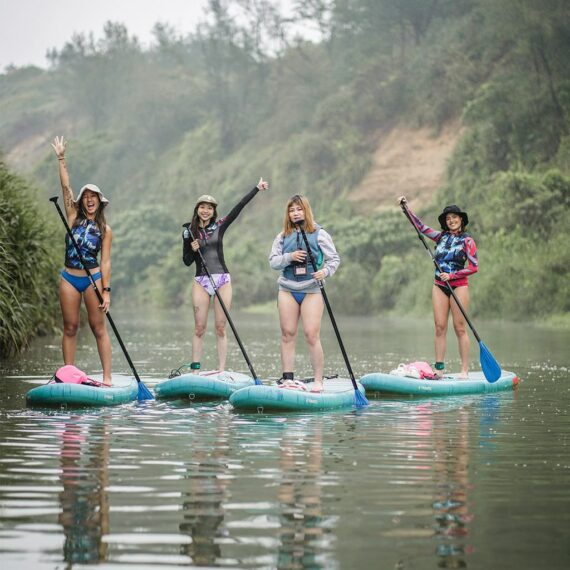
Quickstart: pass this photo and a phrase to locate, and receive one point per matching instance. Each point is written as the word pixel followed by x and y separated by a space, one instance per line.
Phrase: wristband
pixel 108 289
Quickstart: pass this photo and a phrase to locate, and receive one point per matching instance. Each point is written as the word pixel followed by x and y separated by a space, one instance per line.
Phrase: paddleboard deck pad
pixel 337 393
pixel 205 385
pixel 123 390
pixel 449 385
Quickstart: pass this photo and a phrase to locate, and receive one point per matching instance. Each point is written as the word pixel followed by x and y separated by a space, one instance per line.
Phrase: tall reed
pixel 28 264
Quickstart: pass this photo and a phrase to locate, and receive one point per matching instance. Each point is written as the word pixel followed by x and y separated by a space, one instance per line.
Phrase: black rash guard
pixel 211 238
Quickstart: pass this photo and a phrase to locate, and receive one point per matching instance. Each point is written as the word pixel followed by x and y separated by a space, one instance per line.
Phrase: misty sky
pixel 28 28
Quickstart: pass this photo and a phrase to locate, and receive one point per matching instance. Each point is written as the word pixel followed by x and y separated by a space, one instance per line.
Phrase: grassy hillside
pixel 212 111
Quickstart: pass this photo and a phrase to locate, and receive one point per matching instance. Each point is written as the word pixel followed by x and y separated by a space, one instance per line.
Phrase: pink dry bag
pixel 425 370
pixel 70 374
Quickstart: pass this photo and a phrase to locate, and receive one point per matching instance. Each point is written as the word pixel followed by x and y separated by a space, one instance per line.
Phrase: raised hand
pixel 262 184
pixel 59 145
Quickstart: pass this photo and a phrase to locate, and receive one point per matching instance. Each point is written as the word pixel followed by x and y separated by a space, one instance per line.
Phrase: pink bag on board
pixel 424 369
pixel 70 374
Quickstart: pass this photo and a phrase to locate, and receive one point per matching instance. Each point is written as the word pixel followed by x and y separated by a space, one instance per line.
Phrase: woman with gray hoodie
pixel 299 292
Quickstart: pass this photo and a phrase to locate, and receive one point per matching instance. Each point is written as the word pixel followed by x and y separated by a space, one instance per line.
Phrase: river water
pixel 455 482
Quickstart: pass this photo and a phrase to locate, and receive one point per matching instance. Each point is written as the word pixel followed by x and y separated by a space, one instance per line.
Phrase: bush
pixel 28 265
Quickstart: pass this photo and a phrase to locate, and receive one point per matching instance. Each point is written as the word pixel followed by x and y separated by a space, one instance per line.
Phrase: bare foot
pixel 463 376
pixel 317 387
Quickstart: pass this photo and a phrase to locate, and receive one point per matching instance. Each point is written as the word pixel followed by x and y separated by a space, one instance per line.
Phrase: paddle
pixel 143 392
pixel 491 368
pixel 359 399
pixel 248 361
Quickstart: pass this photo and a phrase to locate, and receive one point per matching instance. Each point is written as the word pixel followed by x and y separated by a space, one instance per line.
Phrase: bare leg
pixel 98 326
pixel 460 327
pixel 312 312
pixel 289 313
pixel 201 304
pixel 70 301
pixel 225 292
pixel 440 302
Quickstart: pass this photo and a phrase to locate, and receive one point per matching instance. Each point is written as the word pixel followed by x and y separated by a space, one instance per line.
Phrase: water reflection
pixel 84 459
pixel 204 494
pixel 300 499
pixel 451 472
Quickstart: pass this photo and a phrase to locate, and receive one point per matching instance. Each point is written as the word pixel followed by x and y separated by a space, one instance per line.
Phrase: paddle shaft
pixel 222 304
pixel 329 309
pixel 449 287
pixel 97 292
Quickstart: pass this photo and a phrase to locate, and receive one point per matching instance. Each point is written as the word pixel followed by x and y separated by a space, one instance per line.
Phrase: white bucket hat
pixel 95 189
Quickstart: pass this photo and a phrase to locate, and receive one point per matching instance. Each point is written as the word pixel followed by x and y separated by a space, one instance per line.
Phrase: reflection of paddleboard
pixel 449 385
pixel 337 393
pixel 124 389
pixel 203 385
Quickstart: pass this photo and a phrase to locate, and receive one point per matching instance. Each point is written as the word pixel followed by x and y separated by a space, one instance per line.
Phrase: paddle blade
pixel 491 368
pixel 258 382
pixel 144 393
pixel 360 399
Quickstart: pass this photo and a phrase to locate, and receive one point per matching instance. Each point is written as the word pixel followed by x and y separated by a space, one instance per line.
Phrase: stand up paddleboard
pixel 123 390
pixel 449 385
pixel 337 393
pixel 205 385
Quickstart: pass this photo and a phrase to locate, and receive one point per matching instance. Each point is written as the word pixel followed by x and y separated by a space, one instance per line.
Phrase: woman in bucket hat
pixel 209 232
pixel 86 218
pixel 456 254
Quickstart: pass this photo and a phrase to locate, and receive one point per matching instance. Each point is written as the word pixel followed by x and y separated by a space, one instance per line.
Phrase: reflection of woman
pixel 452 482
pixel 203 505
pixel 456 254
pixel 84 502
pixel 299 293
pixel 86 218
pixel 300 497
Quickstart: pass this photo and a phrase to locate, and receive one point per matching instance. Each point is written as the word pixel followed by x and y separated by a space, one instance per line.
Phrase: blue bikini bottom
pixel 80 283
pixel 298 296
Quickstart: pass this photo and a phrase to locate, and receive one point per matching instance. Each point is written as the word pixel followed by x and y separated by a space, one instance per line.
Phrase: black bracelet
pixel 108 289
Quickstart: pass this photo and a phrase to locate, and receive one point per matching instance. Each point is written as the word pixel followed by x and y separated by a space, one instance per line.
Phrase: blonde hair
pixel 288 225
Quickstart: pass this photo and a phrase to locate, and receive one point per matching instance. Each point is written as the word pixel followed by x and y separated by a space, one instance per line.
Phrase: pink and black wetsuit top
pixel 452 252
pixel 211 238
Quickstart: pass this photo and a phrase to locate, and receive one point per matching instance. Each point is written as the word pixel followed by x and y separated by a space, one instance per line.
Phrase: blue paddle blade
pixel 359 399
pixel 144 393
pixel 491 368
pixel 257 382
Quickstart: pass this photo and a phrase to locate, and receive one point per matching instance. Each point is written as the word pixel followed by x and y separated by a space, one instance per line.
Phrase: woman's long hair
pixel 100 220
pixel 288 225
pixel 195 224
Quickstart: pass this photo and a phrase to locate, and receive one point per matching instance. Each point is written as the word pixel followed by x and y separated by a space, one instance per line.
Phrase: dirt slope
pixel 407 161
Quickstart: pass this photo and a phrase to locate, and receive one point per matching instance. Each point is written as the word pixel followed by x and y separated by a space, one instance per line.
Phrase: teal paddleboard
pixel 123 390
pixel 449 385
pixel 337 393
pixel 205 385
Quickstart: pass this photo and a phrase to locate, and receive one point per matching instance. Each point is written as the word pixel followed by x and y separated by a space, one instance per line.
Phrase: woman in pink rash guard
pixel 456 254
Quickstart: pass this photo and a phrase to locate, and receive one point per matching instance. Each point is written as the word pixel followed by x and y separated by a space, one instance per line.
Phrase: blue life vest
pixel 87 235
pixel 295 241
pixel 450 252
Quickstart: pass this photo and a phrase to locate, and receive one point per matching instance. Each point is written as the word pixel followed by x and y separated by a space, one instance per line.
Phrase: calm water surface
pixel 457 482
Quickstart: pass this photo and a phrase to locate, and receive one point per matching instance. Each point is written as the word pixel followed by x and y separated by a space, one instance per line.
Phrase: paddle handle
pixel 97 292
pixel 329 309
pixel 438 267
pixel 222 304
